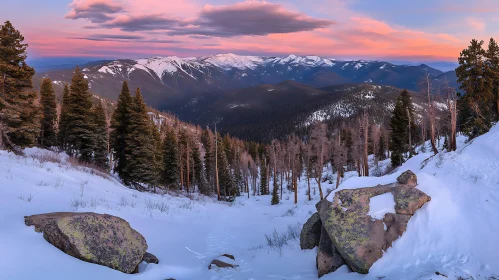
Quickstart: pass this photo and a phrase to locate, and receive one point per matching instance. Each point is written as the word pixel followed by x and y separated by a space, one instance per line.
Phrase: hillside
pixel 454 234
pixel 264 112
pixel 162 78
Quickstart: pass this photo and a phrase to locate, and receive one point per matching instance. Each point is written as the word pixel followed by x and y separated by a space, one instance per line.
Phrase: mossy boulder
pixel 359 238
pixel 96 238
pixel 311 232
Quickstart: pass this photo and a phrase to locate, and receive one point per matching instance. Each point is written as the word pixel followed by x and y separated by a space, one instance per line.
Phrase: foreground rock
pixel 311 233
pixel 355 237
pixel 96 238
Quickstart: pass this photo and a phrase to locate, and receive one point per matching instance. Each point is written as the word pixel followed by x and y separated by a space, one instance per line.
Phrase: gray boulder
pixel 328 258
pixel 96 238
pixel 311 232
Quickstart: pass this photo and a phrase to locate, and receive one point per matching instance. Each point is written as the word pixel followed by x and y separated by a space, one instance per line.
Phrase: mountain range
pixel 258 98
pixel 161 78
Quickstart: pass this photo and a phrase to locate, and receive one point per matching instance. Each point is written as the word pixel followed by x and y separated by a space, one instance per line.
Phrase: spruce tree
pixel 80 124
pixel 398 124
pixel 209 156
pixel 170 175
pixel 48 135
pixel 474 79
pixel 19 116
pixel 199 176
pixel 63 119
pixel 226 182
pixel 263 177
pixel 140 166
pixel 381 148
pixel 493 73
pixel 120 122
pixel 101 144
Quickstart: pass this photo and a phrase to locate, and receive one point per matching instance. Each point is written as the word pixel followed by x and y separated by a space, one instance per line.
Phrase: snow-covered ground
pixel 456 233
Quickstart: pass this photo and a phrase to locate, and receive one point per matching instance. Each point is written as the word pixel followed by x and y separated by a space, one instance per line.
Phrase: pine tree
pixel 381 151
pixel 139 141
pixel 226 182
pixel 493 72
pixel 48 135
pixel 472 74
pixel 263 177
pixel 199 176
pixel 170 176
pixel 80 126
pixel 398 126
pixel 101 144
pixel 19 116
pixel 120 122
pixel 209 156
pixel 63 119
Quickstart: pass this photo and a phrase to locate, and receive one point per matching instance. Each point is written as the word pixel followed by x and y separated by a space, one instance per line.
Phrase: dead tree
pixel 427 89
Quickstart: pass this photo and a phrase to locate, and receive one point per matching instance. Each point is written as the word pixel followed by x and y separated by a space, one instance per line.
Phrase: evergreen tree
pixel 209 156
pixel 398 126
pixel 493 73
pixel 226 182
pixel 19 116
pixel 170 175
pixel 199 176
pixel 140 167
pixel 120 122
pixel 473 75
pixel 63 119
pixel 48 135
pixel 263 177
pixel 80 135
pixel 381 148
pixel 101 145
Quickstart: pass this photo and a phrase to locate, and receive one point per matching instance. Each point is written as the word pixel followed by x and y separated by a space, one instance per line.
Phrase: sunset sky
pixel 431 30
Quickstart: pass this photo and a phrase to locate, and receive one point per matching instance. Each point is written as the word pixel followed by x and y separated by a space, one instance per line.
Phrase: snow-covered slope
pixel 454 234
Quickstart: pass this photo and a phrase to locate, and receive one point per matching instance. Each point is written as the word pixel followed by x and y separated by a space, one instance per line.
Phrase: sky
pixel 423 30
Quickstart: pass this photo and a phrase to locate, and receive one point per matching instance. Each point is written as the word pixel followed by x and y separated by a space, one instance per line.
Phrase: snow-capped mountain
pixel 163 77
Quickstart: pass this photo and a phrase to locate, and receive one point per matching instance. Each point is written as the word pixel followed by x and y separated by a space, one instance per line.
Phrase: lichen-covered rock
pixel 311 232
pixel 408 200
pixel 150 258
pixel 408 178
pixel 359 238
pixel 328 258
pixel 96 238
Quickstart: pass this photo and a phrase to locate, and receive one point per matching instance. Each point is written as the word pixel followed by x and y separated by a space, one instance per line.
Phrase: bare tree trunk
pixel 187 162
pixel 410 132
pixel 431 114
pixel 282 177
pixel 308 183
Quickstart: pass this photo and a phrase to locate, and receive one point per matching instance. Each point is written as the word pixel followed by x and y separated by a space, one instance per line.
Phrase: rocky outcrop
pixel 96 238
pixel 311 232
pixel 220 264
pixel 355 238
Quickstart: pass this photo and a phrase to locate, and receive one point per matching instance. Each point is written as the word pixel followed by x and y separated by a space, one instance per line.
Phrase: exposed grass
pixel 277 240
